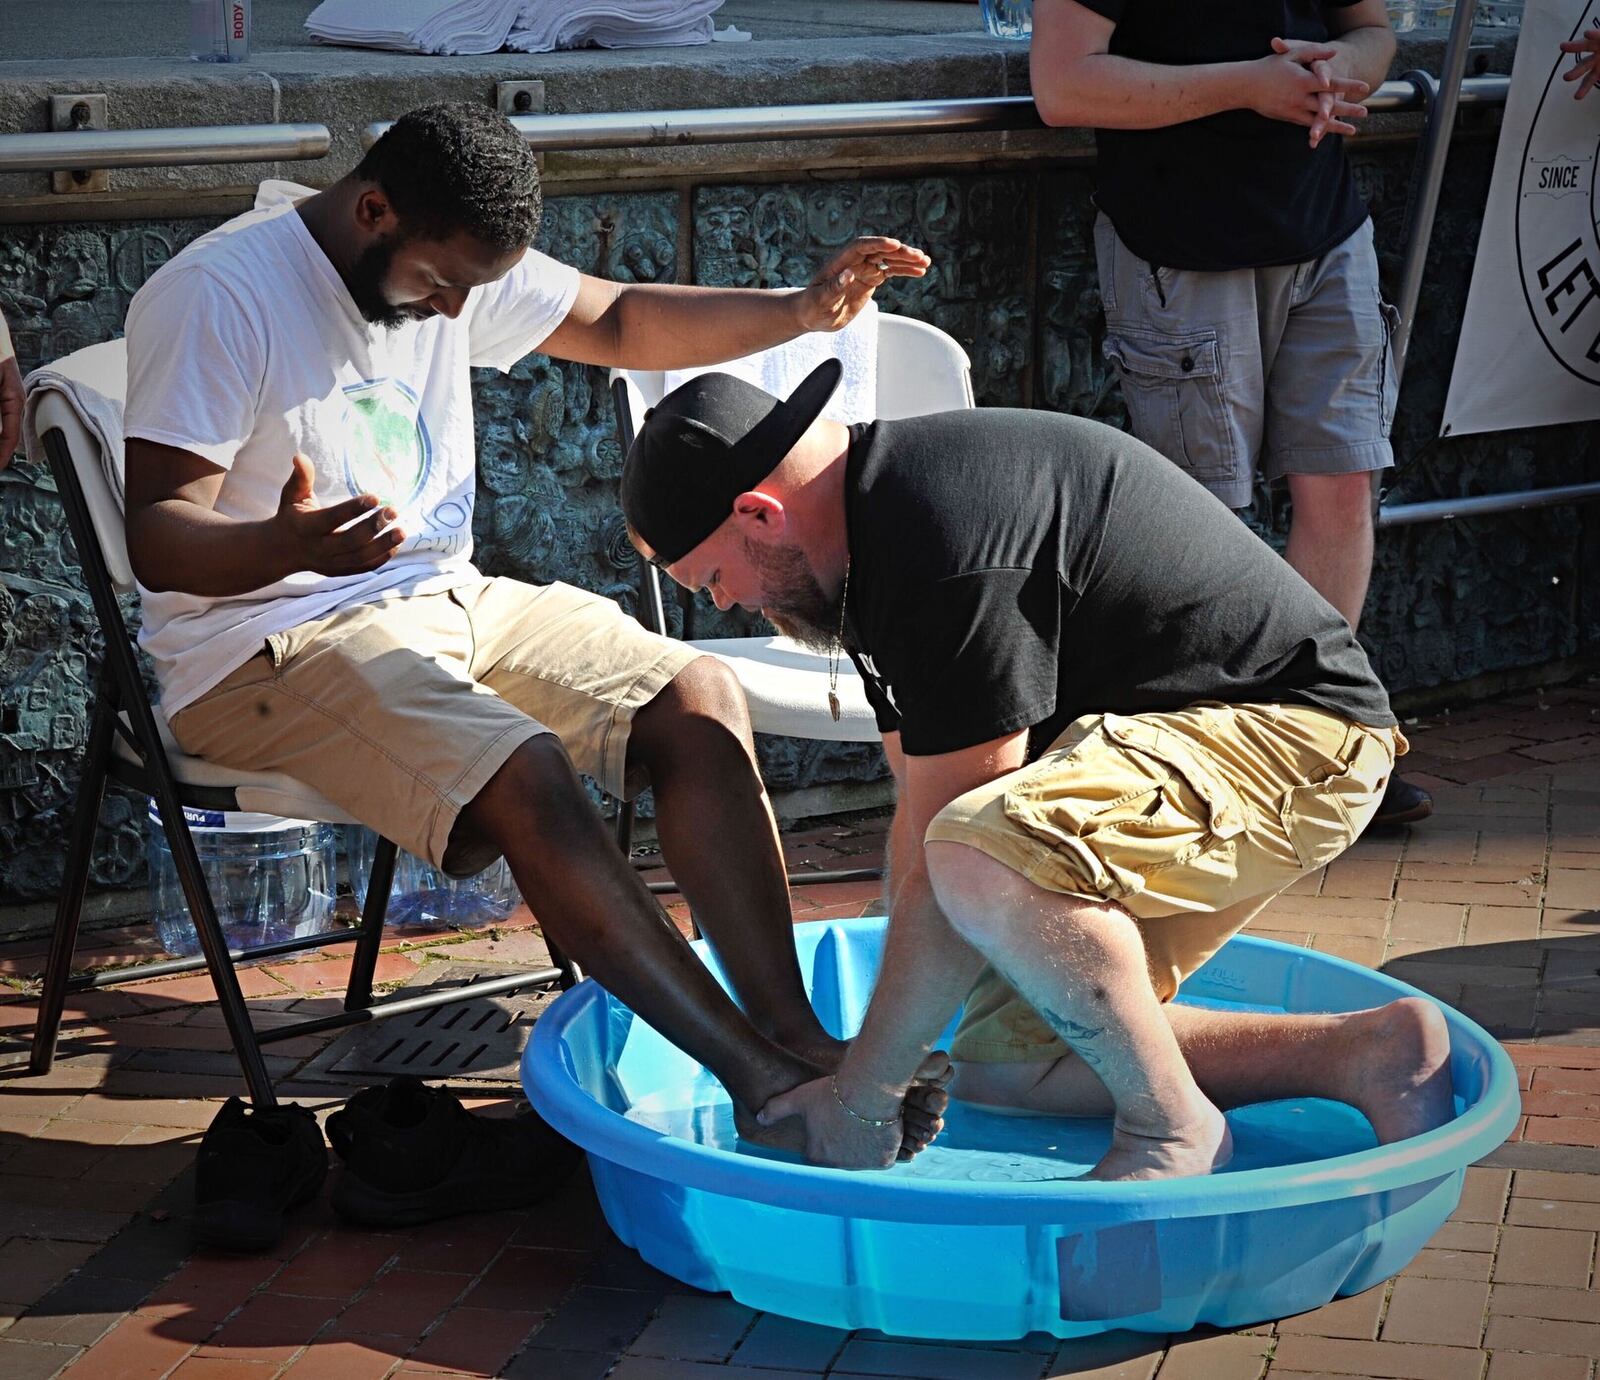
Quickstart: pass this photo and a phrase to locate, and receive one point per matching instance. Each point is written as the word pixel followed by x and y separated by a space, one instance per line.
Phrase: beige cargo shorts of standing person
pixel 1192 821
pixel 402 709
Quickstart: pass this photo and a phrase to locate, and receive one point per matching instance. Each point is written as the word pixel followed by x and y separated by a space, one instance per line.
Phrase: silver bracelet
pixel 850 1111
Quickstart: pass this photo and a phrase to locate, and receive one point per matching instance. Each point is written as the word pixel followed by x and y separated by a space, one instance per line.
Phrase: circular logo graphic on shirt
pixel 1558 251
pixel 387 449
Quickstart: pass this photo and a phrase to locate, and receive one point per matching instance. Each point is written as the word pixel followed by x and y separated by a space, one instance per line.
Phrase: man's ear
pixel 759 516
pixel 374 212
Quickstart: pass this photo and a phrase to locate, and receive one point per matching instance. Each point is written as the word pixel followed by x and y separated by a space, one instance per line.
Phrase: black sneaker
pixel 1402 803
pixel 254 1166
pixel 413 1154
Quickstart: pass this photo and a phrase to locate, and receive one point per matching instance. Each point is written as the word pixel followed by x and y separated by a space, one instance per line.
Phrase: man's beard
pixel 365 283
pixel 792 599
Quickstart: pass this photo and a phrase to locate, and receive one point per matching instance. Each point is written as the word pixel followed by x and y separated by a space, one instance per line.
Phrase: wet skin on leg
pixel 1392 1063
pixel 1082 966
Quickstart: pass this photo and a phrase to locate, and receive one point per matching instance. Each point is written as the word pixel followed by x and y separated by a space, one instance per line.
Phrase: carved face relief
pixel 725 228
pixel 833 213
pixel 78 266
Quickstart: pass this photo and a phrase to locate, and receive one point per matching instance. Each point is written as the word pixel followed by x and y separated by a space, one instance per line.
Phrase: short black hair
pixel 456 166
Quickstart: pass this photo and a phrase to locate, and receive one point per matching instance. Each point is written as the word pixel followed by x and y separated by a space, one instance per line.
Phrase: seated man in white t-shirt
pixel 300 480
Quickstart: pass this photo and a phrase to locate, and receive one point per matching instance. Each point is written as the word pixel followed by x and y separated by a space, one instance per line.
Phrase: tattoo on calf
pixel 1081 1037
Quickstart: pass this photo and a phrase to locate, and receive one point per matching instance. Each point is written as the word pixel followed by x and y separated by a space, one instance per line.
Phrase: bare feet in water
pixel 1397 1072
pixel 1201 1146
pixel 921 1118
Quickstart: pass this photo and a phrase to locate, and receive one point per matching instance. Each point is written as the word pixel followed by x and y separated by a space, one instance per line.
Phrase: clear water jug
pixel 1008 18
pixel 270 878
pixel 423 897
pixel 219 30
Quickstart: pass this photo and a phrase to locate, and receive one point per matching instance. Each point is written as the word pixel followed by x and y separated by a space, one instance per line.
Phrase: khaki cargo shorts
pixel 1191 820
pixel 401 710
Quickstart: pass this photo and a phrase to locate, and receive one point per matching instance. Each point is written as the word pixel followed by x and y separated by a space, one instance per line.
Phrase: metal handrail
pixel 206 144
pixel 1445 509
pixel 857 119
pixel 161 148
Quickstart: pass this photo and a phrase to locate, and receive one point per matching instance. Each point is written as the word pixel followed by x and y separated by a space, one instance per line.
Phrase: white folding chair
pixel 921 370
pixel 129 742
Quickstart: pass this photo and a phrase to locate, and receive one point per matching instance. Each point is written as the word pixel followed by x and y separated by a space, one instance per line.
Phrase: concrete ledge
pixel 347 89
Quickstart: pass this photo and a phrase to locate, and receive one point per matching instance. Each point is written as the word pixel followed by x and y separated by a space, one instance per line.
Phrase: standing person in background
pixel 10 397
pixel 1236 257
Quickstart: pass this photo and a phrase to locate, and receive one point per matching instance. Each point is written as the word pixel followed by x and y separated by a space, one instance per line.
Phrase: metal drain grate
pixel 476 1041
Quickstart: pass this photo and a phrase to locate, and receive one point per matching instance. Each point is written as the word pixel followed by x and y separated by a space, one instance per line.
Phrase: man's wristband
pixel 850 1111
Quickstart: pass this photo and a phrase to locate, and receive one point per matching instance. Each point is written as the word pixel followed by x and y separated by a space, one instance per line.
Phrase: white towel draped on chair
pixel 93 382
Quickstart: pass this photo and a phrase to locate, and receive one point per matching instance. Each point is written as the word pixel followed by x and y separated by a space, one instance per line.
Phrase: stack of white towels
pixel 530 26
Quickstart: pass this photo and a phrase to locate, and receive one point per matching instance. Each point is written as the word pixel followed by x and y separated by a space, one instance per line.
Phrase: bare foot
pixel 1398 1068
pixel 1198 1148
pixel 926 1098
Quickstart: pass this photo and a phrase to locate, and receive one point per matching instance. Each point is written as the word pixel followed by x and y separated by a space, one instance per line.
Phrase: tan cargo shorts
pixel 1191 820
pixel 401 710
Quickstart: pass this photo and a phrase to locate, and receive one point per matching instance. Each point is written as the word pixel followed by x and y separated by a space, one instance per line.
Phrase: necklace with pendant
pixel 838 648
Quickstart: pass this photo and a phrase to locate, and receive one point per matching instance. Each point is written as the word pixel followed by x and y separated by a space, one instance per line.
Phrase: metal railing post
pixel 1443 98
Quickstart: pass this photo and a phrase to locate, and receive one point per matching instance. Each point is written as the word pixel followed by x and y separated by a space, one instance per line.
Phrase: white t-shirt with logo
pixel 247 348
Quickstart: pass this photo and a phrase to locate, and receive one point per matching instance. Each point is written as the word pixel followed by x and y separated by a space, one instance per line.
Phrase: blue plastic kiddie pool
pixel 988 1234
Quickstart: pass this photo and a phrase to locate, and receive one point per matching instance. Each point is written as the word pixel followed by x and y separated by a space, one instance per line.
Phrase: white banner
pixel 1529 352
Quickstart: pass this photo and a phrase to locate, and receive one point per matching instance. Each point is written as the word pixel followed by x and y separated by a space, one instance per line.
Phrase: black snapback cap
pixel 703 445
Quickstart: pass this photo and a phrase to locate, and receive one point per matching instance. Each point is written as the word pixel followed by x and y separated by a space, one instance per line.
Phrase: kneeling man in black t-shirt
pixel 1119 726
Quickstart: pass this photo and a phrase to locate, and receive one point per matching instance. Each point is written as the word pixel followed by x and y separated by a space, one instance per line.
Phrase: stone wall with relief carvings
pixel 1013 281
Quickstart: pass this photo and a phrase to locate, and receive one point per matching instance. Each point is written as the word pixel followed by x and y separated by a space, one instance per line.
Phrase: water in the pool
pixel 986 1147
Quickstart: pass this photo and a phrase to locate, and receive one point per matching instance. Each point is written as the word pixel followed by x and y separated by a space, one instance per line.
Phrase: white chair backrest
pixel 921 369
pixel 89 464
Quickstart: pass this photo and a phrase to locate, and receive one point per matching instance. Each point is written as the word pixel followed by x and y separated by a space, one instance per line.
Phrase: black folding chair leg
pixel 74 881
pixel 380 882
pixel 203 912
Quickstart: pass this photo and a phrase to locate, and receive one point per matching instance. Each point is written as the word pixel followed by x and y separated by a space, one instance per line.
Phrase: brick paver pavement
pixel 1494 905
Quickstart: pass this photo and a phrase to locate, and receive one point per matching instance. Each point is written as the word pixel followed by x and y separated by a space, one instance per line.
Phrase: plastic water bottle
pixel 219 30
pixel 1008 18
pixel 423 897
pixel 271 879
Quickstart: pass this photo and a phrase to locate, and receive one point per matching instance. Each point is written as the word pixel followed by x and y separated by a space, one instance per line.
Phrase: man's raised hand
pixel 845 284
pixel 312 538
